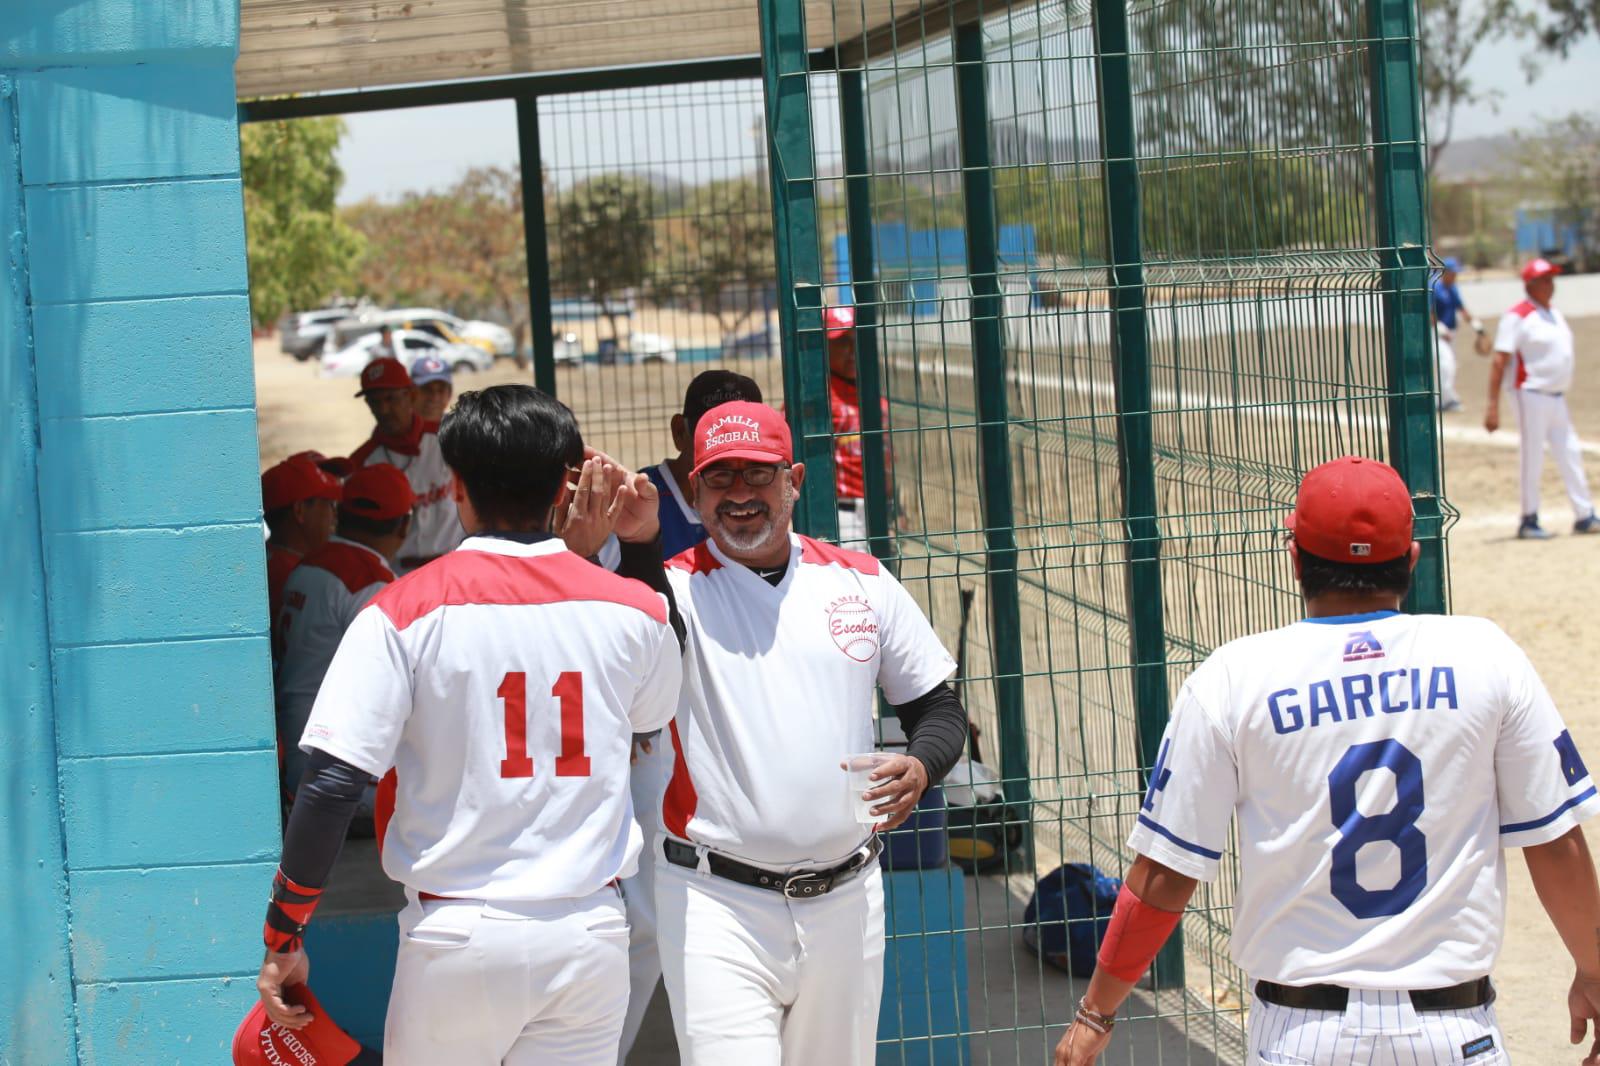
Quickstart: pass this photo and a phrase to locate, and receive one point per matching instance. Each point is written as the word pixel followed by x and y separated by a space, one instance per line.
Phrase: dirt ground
pixel 1539 592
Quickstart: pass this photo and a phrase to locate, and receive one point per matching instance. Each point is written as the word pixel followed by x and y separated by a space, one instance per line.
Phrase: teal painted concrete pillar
pixel 141 805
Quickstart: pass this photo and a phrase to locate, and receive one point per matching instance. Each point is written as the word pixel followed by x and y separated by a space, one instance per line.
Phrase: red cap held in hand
pixel 378 491
pixel 1353 510
pixel 260 1041
pixel 384 374
pixel 293 480
pixel 741 430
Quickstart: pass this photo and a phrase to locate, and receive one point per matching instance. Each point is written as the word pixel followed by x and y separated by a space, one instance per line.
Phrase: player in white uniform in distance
pixel 769 901
pixel 402 439
pixel 503 683
pixel 1535 344
pixel 1378 764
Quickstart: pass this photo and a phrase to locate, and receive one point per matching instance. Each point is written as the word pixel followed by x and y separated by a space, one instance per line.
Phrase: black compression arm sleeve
pixel 323 806
pixel 936 729
pixel 643 562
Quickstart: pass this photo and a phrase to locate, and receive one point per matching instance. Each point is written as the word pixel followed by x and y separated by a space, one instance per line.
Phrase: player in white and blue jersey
pixel 1378 764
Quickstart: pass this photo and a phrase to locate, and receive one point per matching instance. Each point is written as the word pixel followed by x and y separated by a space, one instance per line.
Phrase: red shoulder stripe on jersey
pixel 1524 309
pixel 487 579
pixel 821 553
pixel 679 803
pixel 383 806
pixel 696 560
pixel 360 456
pixel 356 567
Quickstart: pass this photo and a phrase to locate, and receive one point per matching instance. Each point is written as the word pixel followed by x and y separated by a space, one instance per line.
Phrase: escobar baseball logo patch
pixel 1481 1046
pixel 853 627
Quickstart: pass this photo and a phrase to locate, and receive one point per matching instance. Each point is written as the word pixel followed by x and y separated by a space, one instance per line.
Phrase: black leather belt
pixel 849 504
pixel 800 884
pixel 1464 996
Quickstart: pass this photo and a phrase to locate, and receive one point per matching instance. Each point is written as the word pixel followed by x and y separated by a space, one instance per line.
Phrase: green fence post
pixel 864 288
pixel 1399 166
pixel 1135 442
pixel 994 426
pixel 785 68
pixel 541 324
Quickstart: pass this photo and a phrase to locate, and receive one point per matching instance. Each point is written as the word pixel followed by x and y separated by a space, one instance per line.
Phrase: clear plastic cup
pixel 858 776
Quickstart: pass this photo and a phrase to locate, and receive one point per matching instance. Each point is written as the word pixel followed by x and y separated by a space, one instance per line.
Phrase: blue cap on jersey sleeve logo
pixel 1361 644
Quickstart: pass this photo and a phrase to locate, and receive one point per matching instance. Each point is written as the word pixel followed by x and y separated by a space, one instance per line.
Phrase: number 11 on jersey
pixel 568 690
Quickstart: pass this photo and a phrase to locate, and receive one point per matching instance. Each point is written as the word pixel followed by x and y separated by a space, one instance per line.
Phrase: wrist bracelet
pixel 1100 1023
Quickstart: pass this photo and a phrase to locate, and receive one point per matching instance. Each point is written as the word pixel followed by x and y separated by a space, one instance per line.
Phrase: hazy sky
pixel 391 152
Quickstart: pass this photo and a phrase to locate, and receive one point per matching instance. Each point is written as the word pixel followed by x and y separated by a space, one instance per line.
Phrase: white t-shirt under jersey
pixel 778 687
pixel 1378 764
pixel 503 683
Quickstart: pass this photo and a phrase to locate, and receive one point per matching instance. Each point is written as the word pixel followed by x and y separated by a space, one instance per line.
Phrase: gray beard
pixel 763 537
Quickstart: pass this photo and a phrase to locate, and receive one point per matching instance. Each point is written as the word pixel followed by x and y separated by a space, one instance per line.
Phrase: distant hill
pixel 1477 158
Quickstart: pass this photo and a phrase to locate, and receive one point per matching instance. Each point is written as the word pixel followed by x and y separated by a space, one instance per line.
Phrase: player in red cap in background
pixel 401 438
pixel 848 474
pixel 1535 343
pixel 326 592
pixel 297 500
pixel 1378 764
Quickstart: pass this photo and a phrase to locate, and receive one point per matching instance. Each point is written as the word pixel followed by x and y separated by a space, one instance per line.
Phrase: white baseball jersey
pixel 435 526
pixel 778 688
pixel 1378 765
pixel 321 597
pixel 1540 343
pixel 503 683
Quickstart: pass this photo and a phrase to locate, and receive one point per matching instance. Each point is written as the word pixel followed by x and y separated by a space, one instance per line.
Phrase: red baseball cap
pixel 1353 510
pixel 839 321
pixel 1539 268
pixel 338 466
pixel 260 1041
pixel 384 373
pixel 296 478
pixel 378 491
pixel 741 430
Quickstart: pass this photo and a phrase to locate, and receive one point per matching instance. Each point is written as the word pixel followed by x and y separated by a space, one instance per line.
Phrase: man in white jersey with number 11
pixel 1378 763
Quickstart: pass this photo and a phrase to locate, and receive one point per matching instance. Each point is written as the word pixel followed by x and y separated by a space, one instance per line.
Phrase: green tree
pixel 301 251
pixel 727 251
pixel 1566 22
pixel 1450 34
pixel 605 240
pixel 1562 161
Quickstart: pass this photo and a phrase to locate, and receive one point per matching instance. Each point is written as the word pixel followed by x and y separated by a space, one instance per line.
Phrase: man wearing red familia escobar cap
pixel 766 843
pixel 297 500
pixel 1535 343
pixel 401 438
pixel 1378 764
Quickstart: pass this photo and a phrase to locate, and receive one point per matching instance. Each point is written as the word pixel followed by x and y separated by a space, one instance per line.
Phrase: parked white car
pixel 491 336
pixel 652 348
pixel 410 345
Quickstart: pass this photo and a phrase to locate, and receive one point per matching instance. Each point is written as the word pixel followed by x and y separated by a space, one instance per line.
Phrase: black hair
pixel 277 517
pixel 713 388
pixel 1319 575
pixel 350 522
pixel 511 446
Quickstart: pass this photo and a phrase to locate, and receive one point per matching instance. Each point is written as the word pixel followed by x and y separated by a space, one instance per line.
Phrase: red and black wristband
pixel 288 912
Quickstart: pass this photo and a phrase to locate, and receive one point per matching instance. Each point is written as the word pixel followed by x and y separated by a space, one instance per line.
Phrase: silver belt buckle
pixel 806 886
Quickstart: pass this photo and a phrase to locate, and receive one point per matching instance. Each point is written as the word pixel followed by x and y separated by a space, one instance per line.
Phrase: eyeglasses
pixel 723 477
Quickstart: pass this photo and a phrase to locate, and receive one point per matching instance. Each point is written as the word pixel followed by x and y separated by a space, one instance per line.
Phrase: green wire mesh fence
pixel 1121 272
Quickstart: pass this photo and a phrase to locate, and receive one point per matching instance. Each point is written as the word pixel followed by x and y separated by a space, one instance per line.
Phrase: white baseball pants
pixel 1445 365
pixel 759 980
pixel 853 527
pixel 1543 421
pixel 647 782
pixel 509 984
pixel 1377 1028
